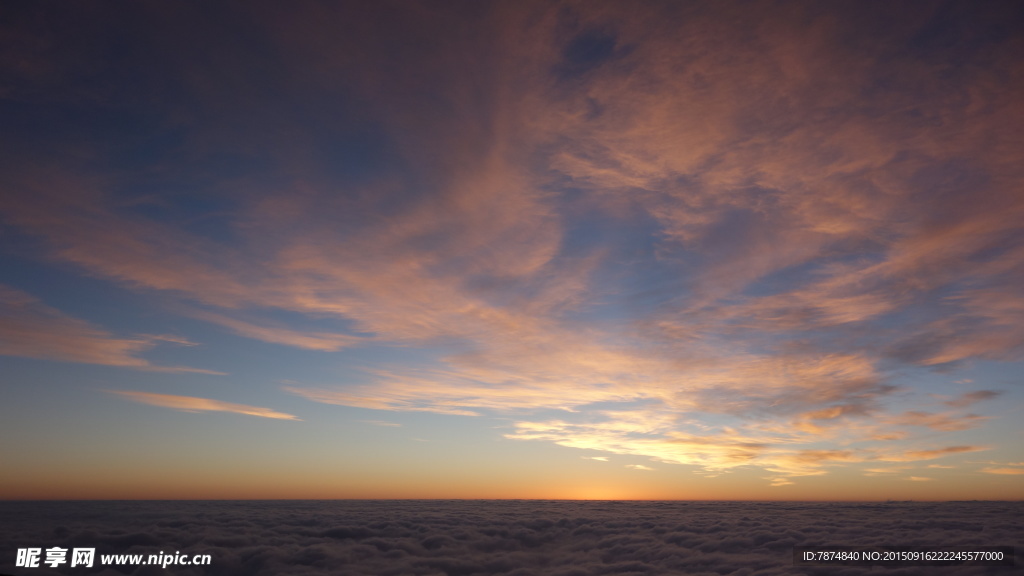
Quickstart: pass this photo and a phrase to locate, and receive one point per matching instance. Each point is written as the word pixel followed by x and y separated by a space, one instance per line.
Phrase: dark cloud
pixel 586 51
pixel 969 398
pixel 507 538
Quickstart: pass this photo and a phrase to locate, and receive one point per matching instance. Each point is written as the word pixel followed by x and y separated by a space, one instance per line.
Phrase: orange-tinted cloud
pixel 944 421
pixel 969 398
pixel 1003 471
pixel 192 404
pixel 639 467
pixel 276 334
pixel 32 329
pixel 938 453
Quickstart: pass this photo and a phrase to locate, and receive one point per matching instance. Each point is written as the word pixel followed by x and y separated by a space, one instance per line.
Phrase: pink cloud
pixel 192 404
pixel 970 398
pixel 32 329
pixel 277 334
pixel 944 421
pixel 1003 471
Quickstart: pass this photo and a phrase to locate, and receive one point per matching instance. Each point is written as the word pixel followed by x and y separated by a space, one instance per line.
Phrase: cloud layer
pixel 507 538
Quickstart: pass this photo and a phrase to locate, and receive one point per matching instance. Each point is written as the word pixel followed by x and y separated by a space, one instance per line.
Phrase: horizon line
pixel 886 501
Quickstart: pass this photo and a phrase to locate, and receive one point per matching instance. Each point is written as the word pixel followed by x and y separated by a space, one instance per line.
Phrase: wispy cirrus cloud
pixel 938 421
pixel 886 470
pixel 31 329
pixel 1003 471
pixel 278 334
pixel 193 404
pixel 970 398
pixel 938 453
pixel 720 450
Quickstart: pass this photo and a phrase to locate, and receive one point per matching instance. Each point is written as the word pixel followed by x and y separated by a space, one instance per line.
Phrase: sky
pixel 559 250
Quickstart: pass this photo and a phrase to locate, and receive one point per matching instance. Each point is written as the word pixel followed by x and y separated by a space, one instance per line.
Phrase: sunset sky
pixel 461 249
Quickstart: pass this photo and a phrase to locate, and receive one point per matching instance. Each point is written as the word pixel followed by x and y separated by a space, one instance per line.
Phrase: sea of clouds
pixel 504 537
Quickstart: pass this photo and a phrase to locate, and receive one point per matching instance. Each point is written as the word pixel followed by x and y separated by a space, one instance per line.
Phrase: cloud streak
pixel 193 404
pixel 31 329
pixel 1003 471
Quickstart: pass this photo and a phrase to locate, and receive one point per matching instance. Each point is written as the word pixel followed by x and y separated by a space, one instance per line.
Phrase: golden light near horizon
pixel 530 250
